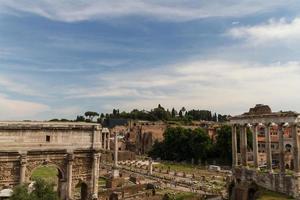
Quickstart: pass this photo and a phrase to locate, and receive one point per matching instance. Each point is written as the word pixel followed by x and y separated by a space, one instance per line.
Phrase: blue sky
pixel 61 58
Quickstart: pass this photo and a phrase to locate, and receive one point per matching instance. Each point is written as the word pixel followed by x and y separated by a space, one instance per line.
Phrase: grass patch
pixel 177 195
pixel 187 168
pixel 48 173
pixel 101 181
pixel 269 195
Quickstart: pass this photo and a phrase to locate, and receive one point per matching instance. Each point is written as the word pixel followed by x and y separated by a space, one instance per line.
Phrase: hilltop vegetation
pixel 156 114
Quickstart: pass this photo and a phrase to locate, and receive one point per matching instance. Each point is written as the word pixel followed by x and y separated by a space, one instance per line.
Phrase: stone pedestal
pixel 115 182
pixel 115 173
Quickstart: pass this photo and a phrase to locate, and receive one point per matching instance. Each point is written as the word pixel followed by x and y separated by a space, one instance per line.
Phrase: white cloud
pixel 11 109
pixel 17 86
pixel 273 30
pixel 224 86
pixel 175 10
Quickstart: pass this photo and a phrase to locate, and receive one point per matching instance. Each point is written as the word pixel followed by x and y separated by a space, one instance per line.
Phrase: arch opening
pixel 81 191
pixel 51 174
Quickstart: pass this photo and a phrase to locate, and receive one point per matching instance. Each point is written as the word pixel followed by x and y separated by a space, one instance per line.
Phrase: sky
pixel 59 59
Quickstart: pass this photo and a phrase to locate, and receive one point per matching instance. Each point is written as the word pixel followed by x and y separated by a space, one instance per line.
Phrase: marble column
pixel 234 145
pixel 296 149
pixel 115 167
pixel 243 145
pixel 150 166
pixel 96 163
pixel 23 164
pixel 255 145
pixel 116 151
pixel 70 175
pixel 281 149
pixel 268 147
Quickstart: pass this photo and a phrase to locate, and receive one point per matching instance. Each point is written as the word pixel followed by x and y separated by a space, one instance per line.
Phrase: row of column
pixel 254 129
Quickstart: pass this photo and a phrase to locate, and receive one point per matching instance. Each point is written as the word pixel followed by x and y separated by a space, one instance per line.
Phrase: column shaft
pixel 255 145
pixel 23 164
pixel 116 151
pixel 268 147
pixel 243 144
pixel 95 178
pixel 70 175
pixel 296 149
pixel 234 146
pixel 281 149
pixel 150 167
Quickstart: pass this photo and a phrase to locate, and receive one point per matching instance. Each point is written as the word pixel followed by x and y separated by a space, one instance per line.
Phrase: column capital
pixel 96 127
pixel 96 155
pixel 269 124
pixel 70 157
pixel 23 159
pixel 257 124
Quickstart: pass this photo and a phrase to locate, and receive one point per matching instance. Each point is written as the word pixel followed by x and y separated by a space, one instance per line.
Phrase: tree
pixel 223 143
pixel 91 115
pixel 20 192
pixel 180 114
pixel 173 113
pixel 80 118
pixel 181 144
pixel 42 190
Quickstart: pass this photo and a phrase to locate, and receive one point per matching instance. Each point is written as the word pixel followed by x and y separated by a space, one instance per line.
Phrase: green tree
pixel 223 143
pixel 173 113
pixel 91 115
pixel 42 190
pixel 20 192
pixel 80 118
pixel 181 144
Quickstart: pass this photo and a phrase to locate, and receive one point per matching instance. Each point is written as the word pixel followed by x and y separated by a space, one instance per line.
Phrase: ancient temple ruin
pixel 275 172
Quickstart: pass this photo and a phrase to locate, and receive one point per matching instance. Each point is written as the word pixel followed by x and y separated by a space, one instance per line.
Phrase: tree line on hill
pixel 155 114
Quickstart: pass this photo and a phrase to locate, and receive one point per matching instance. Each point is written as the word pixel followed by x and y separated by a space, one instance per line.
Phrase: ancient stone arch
pixel 73 148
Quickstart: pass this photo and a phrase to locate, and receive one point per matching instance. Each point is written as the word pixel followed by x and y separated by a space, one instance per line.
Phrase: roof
pixel 263 114
pixel 12 125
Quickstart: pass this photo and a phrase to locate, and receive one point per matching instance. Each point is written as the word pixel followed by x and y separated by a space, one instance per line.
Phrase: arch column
pixel 70 175
pixel 23 164
pixel 234 145
pixel 96 163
